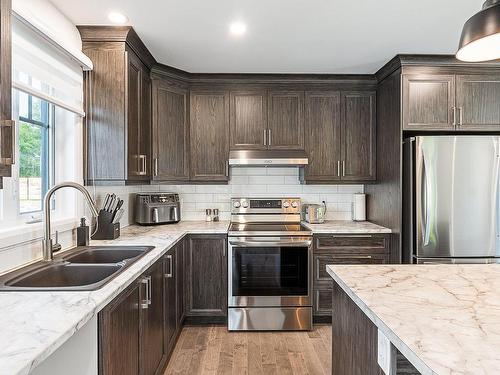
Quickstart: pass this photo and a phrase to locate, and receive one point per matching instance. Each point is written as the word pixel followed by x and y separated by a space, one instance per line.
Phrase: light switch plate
pixel 384 357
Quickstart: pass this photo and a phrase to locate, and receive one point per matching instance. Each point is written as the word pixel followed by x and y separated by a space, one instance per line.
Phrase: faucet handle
pixel 57 246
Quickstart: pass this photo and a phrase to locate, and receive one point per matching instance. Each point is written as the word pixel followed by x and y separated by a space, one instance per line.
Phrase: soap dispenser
pixel 82 233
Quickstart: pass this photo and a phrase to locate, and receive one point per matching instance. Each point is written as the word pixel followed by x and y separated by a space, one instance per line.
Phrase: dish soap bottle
pixel 82 233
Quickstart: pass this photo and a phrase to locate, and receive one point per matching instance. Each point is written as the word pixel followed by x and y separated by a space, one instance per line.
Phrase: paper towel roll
pixel 359 207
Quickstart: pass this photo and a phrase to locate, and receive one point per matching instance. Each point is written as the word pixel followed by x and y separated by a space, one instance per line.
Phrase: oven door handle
pixel 306 243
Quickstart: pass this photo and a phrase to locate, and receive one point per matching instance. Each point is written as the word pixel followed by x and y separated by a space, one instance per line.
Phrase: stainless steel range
pixel 269 266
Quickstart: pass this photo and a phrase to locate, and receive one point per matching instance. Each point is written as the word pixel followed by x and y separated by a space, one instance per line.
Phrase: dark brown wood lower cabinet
pixel 152 342
pixel 170 324
pixel 131 328
pixel 119 338
pixel 206 272
pixel 354 338
pixel 342 249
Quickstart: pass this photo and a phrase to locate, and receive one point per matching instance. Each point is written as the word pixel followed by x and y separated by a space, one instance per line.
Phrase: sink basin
pixel 64 276
pixel 83 268
pixel 106 254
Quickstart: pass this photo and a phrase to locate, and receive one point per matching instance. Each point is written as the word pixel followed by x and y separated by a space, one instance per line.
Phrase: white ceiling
pixel 284 36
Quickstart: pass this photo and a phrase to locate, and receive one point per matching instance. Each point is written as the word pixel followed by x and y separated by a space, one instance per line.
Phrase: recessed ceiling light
pixel 118 18
pixel 237 28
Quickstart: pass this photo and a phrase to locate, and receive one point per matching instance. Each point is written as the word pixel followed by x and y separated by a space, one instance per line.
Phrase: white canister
pixel 359 207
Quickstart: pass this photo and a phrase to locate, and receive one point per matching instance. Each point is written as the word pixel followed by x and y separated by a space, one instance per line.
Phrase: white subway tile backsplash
pixel 285 171
pixel 248 171
pixel 266 180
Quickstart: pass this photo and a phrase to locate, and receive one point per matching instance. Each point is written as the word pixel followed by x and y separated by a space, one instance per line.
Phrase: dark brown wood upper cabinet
pixel 170 132
pixel 206 272
pixel 209 135
pixel 322 135
pixel 285 120
pixel 358 136
pixel 248 119
pixel 478 102
pixel 118 106
pixel 428 102
pixel 7 126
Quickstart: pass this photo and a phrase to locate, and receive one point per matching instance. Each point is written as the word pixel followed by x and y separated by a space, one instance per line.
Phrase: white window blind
pixel 41 69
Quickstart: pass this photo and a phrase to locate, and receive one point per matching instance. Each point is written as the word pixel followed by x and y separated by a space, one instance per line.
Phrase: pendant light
pixel 480 40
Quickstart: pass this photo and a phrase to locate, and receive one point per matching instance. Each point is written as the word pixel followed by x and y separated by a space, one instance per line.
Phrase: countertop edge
pixel 414 359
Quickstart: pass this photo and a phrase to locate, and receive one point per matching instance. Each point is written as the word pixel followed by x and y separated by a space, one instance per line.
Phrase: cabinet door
pixel 152 344
pixel 322 135
pixel 145 159
pixel 6 124
pixel 171 132
pixel 285 120
pixel 478 102
pixel 207 276
pixel 133 116
pixel 170 300
pixel 428 102
pixel 358 136
pixel 209 131
pixel 119 334
pixel 248 120
pixel 322 301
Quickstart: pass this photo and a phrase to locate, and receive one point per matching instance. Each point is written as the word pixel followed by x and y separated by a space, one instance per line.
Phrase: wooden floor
pixel 214 350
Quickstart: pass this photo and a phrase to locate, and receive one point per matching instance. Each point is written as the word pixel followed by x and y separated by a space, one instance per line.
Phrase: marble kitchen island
pixel 445 319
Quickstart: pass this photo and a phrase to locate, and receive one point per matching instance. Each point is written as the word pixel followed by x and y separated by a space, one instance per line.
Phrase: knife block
pixel 106 229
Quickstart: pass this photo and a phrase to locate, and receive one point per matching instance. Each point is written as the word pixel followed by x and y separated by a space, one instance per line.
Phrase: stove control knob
pixel 295 204
pixel 236 204
pixel 244 204
pixel 286 204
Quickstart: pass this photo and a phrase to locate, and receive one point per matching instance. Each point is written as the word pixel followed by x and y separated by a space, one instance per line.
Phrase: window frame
pixel 47 127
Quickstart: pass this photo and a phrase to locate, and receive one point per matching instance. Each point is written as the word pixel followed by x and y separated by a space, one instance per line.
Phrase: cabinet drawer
pixel 322 260
pixel 343 243
pixel 322 302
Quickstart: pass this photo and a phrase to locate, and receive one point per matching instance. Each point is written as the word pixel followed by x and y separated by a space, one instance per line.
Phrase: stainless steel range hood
pixel 269 158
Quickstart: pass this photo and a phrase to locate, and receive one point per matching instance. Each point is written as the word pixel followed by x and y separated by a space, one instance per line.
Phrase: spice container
pixel 216 214
pixel 208 214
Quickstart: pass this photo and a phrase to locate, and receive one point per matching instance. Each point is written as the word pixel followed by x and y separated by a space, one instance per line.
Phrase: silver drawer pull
pixel 353 236
pixel 145 301
pixel 169 274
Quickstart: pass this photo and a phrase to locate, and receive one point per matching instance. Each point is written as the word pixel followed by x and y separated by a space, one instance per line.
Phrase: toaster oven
pixel 157 208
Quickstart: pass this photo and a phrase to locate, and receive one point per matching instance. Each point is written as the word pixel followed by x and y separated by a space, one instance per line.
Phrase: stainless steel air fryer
pixel 157 208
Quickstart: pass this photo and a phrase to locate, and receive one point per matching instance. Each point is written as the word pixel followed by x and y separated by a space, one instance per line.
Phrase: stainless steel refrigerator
pixel 451 199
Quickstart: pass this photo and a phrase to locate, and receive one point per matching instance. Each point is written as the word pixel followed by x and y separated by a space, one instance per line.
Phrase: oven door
pixel 269 271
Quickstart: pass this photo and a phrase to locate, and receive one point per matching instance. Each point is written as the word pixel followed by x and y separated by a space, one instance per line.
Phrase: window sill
pixel 25 233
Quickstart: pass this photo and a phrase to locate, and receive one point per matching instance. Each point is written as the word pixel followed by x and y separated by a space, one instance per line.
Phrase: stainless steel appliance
pixel 451 199
pixel 268 158
pixel 269 266
pixel 314 213
pixel 157 208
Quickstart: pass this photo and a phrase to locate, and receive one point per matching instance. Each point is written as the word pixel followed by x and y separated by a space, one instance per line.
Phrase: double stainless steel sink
pixel 80 269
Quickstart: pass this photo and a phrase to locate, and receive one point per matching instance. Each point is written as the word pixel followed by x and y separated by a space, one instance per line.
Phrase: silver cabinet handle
pixel 355 257
pixel 142 165
pixel 150 289
pixel 145 301
pixel 269 137
pixel 460 116
pixel 227 168
pixel 7 132
pixel 352 236
pixel 169 274
pixel 155 167
pixel 454 109
pixel 338 168
pixel 343 168
pixel 265 142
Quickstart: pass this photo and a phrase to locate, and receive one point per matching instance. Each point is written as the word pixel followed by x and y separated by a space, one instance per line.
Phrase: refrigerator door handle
pixel 424 204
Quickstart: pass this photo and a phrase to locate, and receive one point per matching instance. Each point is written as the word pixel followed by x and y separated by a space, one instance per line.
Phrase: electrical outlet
pixel 384 357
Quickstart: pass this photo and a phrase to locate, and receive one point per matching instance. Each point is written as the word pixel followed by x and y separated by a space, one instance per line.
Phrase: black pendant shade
pixel 480 40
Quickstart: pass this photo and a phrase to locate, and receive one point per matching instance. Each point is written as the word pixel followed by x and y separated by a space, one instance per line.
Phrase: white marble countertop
pixel 34 324
pixel 346 226
pixel 445 319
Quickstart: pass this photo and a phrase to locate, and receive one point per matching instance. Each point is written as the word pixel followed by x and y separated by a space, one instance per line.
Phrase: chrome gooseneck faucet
pixel 48 246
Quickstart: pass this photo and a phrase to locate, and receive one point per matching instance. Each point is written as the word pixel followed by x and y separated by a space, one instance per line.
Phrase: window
pixel 36 165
